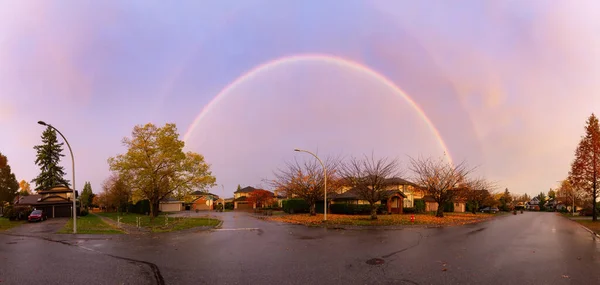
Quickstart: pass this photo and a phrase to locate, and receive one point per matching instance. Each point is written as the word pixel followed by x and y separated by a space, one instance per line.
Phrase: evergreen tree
pixel 8 182
pixel 86 195
pixel 48 158
pixel 585 169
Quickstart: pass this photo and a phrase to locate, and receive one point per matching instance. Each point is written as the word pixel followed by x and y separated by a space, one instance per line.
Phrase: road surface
pixel 529 248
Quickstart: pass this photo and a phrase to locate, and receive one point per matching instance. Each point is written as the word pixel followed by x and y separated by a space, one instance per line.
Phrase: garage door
pixel 244 206
pixel 170 207
pixel 62 211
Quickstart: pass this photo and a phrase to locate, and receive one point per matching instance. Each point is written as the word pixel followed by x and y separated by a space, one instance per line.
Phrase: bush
pixel 419 205
pixel 292 206
pixel 354 209
pixel 229 206
pixel 83 213
pixel 409 210
pixel 449 207
pixel 17 213
pixel 141 207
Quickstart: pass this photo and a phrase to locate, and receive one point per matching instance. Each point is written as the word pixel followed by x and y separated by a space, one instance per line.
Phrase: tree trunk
pixel 373 212
pixel 313 212
pixel 154 209
pixel 594 195
pixel 474 207
pixel 440 210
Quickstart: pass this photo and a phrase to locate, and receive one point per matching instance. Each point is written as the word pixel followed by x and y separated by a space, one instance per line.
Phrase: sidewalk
pixel 128 229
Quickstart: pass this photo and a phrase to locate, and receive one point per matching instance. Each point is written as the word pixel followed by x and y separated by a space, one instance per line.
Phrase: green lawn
pixel 89 224
pixel 594 226
pixel 162 223
pixel 5 224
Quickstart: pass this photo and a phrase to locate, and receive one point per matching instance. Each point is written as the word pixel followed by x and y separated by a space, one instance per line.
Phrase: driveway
pixel 46 227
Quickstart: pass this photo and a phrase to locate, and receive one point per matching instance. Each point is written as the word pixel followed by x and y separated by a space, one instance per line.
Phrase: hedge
pixel 354 209
pixel 292 206
pixel 419 205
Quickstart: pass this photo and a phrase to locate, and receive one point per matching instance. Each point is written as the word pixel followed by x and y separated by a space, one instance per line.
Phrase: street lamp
pixel 73 164
pixel 325 178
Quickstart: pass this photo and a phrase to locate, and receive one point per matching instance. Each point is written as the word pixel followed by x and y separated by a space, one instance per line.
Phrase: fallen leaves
pixel 451 219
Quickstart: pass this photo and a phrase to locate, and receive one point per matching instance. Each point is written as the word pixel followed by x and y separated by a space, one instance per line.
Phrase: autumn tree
pixel 306 180
pixel 24 188
pixel 8 182
pixel 585 168
pixel 368 176
pixel 438 178
pixel 260 197
pixel 505 199
pixel 542 203
pixel 551 194
pixel 155 165
pixel 48 159
pixel 478 193
pixel 87 195
pixel 117 194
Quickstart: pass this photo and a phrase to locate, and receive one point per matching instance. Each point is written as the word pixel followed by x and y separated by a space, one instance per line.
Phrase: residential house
pixel 398 192
pixel 55 202
pixel 551 204
pixel 533 204
pixel 240 198
pixel 170 205
pixel 201 200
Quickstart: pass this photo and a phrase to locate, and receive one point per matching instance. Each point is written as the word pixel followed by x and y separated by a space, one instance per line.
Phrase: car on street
pixel 492 210
pixel 37 216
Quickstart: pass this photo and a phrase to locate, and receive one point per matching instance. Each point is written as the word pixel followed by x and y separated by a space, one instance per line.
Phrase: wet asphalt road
pixel 530 248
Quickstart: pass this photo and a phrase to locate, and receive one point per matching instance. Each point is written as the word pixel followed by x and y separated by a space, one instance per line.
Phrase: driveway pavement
pixel 529 248
pixel 45 228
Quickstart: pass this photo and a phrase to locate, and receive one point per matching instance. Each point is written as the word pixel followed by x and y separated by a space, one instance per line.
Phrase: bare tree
pixel 478 192
pixel 368 177
pixel 306 180
pixel 438 178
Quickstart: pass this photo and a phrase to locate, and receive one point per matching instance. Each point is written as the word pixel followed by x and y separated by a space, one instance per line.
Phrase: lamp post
pixel 73 164
pixel 325 178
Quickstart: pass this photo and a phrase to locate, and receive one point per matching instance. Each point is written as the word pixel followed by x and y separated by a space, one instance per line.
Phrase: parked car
pixel 492 210
pixel 37 215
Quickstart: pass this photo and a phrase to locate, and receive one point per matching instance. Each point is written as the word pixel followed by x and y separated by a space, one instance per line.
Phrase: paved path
pixel 529 248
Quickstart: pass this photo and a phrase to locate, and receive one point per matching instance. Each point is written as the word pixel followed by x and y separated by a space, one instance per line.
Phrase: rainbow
pixel 322 58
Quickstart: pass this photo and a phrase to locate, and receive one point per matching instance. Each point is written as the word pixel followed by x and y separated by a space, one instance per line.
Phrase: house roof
pixel 170 200
pixel 28 200
pixel 428 198
pixel 246 189
pixel 203 193
pixel 353 194
pixel 241 199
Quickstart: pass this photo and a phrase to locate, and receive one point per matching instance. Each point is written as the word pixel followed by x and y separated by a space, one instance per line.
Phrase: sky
pixel 508 85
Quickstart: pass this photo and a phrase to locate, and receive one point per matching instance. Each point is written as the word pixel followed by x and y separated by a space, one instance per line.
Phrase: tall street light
pixel 73 163
pixel 325 183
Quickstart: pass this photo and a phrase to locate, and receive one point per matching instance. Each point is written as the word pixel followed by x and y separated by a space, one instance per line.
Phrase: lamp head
pixel 42 123
pixel 296 149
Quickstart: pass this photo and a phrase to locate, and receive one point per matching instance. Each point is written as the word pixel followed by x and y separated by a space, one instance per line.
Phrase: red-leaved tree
pixel 585 169
pixel 260 197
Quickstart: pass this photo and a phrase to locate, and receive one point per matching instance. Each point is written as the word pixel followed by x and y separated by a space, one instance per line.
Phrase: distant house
pixel 399 193
pixel 170 205
pixel 533 204
pixel 201 200
pixel 551 204
pixel 55 202
pixel 240 198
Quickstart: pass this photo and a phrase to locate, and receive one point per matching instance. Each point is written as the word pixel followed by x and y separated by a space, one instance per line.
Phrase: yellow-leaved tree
pixel 155 165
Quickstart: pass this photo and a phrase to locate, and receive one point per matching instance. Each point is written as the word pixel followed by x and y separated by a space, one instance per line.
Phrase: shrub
pixel 354 209
pixel 409 210
pixel 419 205
pixel 141 207
pixel 83 213
pixel 292 206
pixel 17 213
pixel 449 207
pixel 229 206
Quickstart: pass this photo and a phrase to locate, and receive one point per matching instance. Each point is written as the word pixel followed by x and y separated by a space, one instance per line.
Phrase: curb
pixel 584 227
